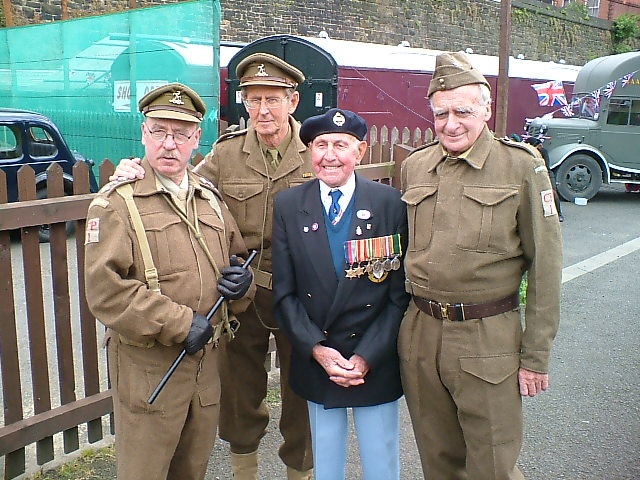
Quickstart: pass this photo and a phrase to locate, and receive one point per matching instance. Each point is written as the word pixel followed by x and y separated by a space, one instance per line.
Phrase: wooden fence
pixel 52 334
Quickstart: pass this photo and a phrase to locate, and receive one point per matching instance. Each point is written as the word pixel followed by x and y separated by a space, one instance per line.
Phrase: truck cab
pixel 599 141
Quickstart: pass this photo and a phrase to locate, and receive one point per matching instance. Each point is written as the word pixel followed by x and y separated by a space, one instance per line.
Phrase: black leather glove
pixel 235 280
pixel 200 333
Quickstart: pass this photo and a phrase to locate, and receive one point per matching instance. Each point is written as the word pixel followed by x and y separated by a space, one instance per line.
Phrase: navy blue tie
pixel 334 209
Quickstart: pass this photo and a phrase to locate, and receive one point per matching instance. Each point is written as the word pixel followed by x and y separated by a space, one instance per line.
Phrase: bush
pixel 625 27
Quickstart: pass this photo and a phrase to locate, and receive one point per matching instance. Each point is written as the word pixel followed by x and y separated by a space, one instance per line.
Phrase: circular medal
pixel 395 263
pixel 379 279
pixel 386 265
pixel 377 269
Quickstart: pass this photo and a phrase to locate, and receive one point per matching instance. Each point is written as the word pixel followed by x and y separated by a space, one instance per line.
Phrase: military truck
pixel 599 142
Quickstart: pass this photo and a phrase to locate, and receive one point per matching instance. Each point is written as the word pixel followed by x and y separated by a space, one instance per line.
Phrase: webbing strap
pixel 150 271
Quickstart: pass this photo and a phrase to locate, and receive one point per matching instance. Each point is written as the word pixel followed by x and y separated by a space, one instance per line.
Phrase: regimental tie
pixel 275 161
pixel 334 209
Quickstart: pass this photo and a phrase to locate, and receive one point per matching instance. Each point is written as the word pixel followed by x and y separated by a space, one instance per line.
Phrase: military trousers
pixel 461 385
pixel 244 415
pixel 172 438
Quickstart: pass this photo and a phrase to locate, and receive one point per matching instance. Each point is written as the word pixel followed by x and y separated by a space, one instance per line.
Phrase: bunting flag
pixel 567 111
pixel 596 97
pixel 608 89
pixel 550 94
pixel 626 79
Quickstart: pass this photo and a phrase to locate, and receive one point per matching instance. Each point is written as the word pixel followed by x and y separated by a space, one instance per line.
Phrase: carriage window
pixel 618 112
pixel 634 119
pixel 9 143
pixel 42 145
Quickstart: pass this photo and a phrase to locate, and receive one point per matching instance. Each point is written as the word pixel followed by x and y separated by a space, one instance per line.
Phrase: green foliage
pixel 521 15
pixel 625 27
pixel 577 10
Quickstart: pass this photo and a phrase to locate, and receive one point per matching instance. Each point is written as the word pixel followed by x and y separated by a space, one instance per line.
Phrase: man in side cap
pixel 156 249
pixel 249 167
pixel 338 293
pixel 481 214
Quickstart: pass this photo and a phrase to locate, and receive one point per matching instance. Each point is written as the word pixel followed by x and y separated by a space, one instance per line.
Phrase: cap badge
pixel 338 119
pixel 177 98
pixel 261 71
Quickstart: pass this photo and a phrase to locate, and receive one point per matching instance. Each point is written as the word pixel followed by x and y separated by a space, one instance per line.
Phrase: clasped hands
pixel 344 372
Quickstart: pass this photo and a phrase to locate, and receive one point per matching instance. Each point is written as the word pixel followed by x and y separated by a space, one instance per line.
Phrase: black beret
pixel 333 121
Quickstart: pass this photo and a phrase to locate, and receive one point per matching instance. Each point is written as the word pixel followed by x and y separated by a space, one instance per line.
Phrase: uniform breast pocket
pixel 487 219
pixel 245 203
pixel 421 204
pixel 213 230
pixel 166 235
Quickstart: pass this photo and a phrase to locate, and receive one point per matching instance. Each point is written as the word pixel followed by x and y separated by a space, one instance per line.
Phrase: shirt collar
pixel 347 190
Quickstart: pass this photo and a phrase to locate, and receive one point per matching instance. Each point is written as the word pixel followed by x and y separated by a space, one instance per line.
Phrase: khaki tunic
pixel 475 226
pixel 248 183
pixel 173 437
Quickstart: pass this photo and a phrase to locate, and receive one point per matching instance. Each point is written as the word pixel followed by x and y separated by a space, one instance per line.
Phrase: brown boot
pixel 244 465
pixel 298 475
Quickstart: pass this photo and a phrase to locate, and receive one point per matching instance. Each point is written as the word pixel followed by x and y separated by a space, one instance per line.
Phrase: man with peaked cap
pixel 338 288
pixel 160 251
pixel 249 167
pixel 481 214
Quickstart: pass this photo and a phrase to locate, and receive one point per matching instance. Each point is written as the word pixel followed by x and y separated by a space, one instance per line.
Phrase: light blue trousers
pixel 378 441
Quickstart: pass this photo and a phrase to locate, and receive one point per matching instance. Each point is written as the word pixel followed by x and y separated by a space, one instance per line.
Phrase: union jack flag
pixel 608 89
pixel 626 79
pixel 550 94
pixel 566 111
pixel 596 97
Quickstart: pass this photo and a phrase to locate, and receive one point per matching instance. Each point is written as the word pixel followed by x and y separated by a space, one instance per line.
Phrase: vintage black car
pixel 29 138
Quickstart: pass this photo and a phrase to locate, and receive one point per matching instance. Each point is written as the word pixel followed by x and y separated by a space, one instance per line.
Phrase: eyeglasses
pixel 179 138
pixel 271 102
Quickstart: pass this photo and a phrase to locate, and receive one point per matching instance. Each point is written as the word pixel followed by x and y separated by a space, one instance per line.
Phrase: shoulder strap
pixel 150 272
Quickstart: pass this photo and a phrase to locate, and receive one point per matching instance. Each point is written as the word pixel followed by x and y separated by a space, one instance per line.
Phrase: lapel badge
pixel 307 175
pixel 305 229
pixel 363 214
pixel 314 227
pixel 368 226
pixel 358 230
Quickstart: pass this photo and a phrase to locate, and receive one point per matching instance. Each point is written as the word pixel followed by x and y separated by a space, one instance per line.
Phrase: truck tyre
pixel 579 176
pixel 44 231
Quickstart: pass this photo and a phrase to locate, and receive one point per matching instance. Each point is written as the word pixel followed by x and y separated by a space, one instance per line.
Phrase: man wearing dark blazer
pixel 338 291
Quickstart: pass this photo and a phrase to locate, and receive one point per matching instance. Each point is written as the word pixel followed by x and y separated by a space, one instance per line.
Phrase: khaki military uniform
pixel 248 182
pixel 173 437
pixel 475 226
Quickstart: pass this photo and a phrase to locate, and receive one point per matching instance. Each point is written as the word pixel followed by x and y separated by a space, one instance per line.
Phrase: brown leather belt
pixel 458 312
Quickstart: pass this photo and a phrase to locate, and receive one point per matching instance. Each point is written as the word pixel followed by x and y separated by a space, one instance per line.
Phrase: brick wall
pixel 539 31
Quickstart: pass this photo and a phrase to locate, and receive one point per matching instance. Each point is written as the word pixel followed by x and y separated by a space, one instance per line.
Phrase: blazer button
pixel 325 333
pixel 353 335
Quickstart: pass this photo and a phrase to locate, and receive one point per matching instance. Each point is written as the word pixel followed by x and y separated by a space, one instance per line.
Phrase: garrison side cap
pixel 174 101
pixel 453 70
pixel 269 70
pixel 333 121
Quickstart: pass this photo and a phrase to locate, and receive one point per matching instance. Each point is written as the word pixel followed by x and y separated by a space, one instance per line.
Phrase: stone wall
pixel 539 31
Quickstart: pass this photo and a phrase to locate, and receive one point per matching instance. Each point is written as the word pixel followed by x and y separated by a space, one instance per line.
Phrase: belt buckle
pixel 444 310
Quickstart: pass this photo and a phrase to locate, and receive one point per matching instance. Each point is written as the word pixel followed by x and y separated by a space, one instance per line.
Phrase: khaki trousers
pixel 460 383
pixel 171 439
pixel 244 415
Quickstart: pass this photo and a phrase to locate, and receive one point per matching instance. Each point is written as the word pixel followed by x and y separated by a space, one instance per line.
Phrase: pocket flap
pixel 209 396
pixel 415 195
pixel 495 369
pixel 489 196
pixel 242 191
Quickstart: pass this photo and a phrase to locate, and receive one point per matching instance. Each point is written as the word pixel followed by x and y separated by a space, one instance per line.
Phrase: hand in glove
pixel 200 333
pixel 235 280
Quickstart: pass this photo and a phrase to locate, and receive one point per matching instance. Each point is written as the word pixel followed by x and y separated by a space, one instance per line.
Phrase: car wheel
pixel 579 176
pixel 44 232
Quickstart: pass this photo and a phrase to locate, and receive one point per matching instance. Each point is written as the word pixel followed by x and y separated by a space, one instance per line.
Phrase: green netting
pixel 88 74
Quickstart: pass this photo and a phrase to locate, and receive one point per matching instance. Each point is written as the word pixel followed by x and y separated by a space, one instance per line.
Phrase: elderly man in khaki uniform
pixel 481 214
pixel 249 167
pixel 159 253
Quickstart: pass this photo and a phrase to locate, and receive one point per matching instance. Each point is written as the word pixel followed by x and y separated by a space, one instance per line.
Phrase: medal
pixel 386 265
pixel 395 263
